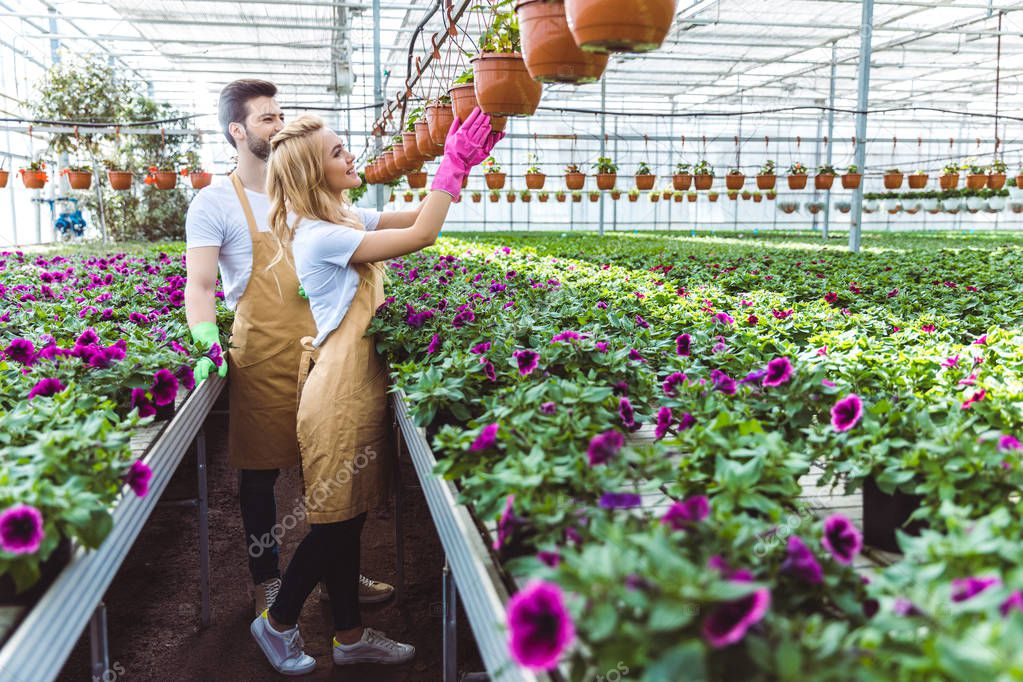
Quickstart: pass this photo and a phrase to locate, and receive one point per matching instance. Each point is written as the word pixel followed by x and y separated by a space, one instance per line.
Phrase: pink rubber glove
pixel 488 146
pixel 464 142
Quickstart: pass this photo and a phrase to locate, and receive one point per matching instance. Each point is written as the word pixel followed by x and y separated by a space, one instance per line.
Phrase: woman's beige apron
pixel 344 430
pixel 270 319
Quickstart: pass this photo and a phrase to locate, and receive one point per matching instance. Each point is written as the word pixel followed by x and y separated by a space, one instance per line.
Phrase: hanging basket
pixel 438 120
pixel 504 86
pixel 734 182
pixel 618 26
pixel 33 179
pixel 949 181
pixel 797 182
pixel 594 197
pixel 682 181
pixel 704 181
pixel 917 181
pixel 976 181
pixel 633 197
pixel 79 179
pixel 416 180
pixel 548 48
pixel 410 145
pixel 200 180
pixel 165 179
pixel 851 180
pixel 561 198
pixel 535 180
pixel 996 181
pixel 766 181
pixel 823 181
pixel 427 149
pixel 575 181
pixel 645 182
pixel 894 180
pixel 495 180
pixel 606 181
pixel 4 176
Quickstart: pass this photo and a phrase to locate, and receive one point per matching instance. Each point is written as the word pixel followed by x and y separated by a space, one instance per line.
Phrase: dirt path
pixel 153 603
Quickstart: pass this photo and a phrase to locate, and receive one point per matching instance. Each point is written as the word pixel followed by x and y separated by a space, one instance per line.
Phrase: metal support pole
pixel 449 597
pixel 614 207
pixel 603 143
pixel 399 503
pixel 862 100
pixel 831 136
pixel 378 92
pixel 98 644
pixel 10 147
pixel 204 529
pixel 817 163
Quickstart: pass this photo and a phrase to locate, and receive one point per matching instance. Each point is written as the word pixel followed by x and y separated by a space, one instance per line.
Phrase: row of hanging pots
pixel 119 180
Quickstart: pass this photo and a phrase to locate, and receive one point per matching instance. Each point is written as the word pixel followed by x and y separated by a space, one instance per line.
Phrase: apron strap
pixel 307 363
pixel 239 188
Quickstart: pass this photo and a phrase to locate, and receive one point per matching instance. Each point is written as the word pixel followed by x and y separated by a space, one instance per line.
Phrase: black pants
pixel 259 515
pixel 330 552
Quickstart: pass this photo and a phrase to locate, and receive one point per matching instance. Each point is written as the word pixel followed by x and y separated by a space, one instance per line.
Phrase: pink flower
pixel 950 361
pixel 976 397
pixel 604 446
pixel 527 360
pixel 689 511
pixel 664 421
pixel 927 328
pixel 724 318
pixel 981 341
pixel 434 344
pixel 138 477
pixel 779 371
pixel 45 388
pixel 21 529
pixel 486 440
pixel 841 538
pixel 831 297
pixel 846 413
pixel 540 626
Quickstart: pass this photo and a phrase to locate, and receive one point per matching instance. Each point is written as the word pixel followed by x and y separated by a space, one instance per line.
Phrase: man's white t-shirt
pixel 216 218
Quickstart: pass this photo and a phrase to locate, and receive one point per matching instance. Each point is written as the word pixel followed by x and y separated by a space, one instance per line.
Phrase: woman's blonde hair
pixel 296 183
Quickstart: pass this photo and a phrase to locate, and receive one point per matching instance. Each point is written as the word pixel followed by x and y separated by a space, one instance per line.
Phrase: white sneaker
pixel 374 647
pixel 282 649
pixel 370 591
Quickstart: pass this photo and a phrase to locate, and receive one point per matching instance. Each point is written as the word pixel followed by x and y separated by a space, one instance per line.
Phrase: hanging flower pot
pixel 823 181
pixel 398 158
pixel 757 197
pixel 574 180
pixel 410 146
pixel 510 197
pixel 163 179
pixel 494 197
pixel 439 117
pixel 974 203
pixel 1016 206
pixel 495 180
pixel 594 197
pixel 655 197
pixel 561 197
pixel 543 197
pixel 617 26
pixel 526 197
pixel 704 181
pixel 788 207
pixel 616 194
pixel 666 194
pixel 33 179
pixel 476 197
pixel 918 180
pixel 548 48
pixel 746 195
pixel 682 181
pixel 797 181
pixel 606 181
pixel 851 180
pixel 734 181
pixel 577 197
pixel 645 182
pixel 416 179
pixel 424 143
pixel 1019 181
pixel 996 181
pixel 976 181
pixel 678 197
pixel 712 197
pixel 814 207
pixel 4 175
pixel 78 179
pixel 634 197
pixel 535 180
pixel 949 181
pixel 200 179
pixel 504 86
pixel 893 179
pixel 766 181
pixel 691 197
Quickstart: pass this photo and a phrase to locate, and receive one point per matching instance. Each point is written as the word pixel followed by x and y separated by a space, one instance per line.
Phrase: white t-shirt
pixel 216 218
pixel 322 251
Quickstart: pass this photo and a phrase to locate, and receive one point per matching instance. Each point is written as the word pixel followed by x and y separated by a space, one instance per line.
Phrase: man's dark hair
pixel 234 99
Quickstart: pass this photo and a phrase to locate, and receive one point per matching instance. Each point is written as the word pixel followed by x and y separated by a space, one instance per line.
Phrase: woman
pixel 343 432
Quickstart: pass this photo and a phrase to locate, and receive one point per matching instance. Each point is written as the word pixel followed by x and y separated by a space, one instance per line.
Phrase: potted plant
pixel 677 196
pixel 462 94
pixel 746 195
pixel 615 26
pixel 911 202
pixel 574 178
pixel 974 200
pixel 78 176
pixel 654 197
pixel 691 197
pixel 477 197
pixel 892 202
pixel 409 195
pixel 814 207
pixel 918 180
pixel 439 117
pixel 771 195
pixel 996 200
pixel 422 194
pixel 495 196
pixel 34 175
pixel 735 179
pixel 543 197
pixel 634 194
pixel 929 201
pixel 788 206
pixel 976 179
pixel 560 196
pixel 797 175
pixel 4 173
pixel 871 202
pixel 892 178
pixel 510 196
pixel 163 178
pixel 606 171
pixel 616 194
pixel 852 177
pixel 843 206
pixel 757 197
pixel 996 175
pixel 535 178
pixel 390 199
pixel 767 177
pixel 548 47
pixel 949 176
pixel 526 196
pixel 682 178
pixel 1016 206
pixel 502 81
pixel 644 176
pixel 594 196
pixel 577 196
pixel 825 177
pixel 666 193
pixel 703 174
pixel 1019 179
pixel 417 178
pixel 492 173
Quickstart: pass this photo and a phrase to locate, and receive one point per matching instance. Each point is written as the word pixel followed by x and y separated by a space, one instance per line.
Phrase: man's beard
pixel 259 147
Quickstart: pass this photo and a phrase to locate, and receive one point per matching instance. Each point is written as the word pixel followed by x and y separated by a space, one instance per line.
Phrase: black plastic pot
pixel 883 514
pixel 48 572
pixel 164 413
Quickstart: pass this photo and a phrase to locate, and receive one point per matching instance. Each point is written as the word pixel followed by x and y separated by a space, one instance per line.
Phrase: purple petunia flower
pixel 687 512
pixel 723 382
pixel 602 305
pixel 138 477
pixel 641 322
pixel 686 421
pixel 841 538
pixel 548 408
pixel 634 355
pixel 801 563
pixel 434 344
pixel 87 338
pixel 952 361
pixel 21 529
pixel 541 627
pixel 604 446
pixel 728 622
pixel 967 588
pixel 165 387
pixel 527 360
pixel 487 439
pixel 186 377
pixel 671 381
pixel 600 346
pixel 216 355
pixel 627 414
pixel 664 422
pixel 21 350
pixel 1007 442
pixel 550 559
pixel 507 524
pixel 463 318
pixel 1014 602
pixel 140 399
pixel 754 377
pixel 724 318
pixel 846 413
pixel 480 348
pixel 45 388
pixel 566 335
pixel 683 344
pixel 488 369
pixel 779 370
pixel 619 500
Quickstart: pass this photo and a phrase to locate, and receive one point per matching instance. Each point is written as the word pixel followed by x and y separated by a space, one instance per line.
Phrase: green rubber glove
pixel 207 334
pixel 302 293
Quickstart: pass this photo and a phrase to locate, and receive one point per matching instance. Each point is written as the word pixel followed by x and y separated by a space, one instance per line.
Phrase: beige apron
pixel 344 430
pixel 270 319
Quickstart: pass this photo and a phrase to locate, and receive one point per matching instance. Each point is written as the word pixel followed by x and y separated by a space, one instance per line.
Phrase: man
pixel 227 228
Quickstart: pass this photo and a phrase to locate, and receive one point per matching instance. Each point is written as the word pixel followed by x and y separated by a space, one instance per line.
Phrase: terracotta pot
pixel 645 181
pixel 543 200
pixel 616 26
pixel 4 176
pixel 606 180
pixel 616 194
pixel 682 181
pixel 477 198
pixel 438 120
pixel 398 158
pixel 510 198
pixel 494 199
pixel 576 199
pixel 918 181
pixel 463 101
pixel 549 49
pixel 797 181
pixel 594 198
pixel 948 181
pixel 535 180
pixel 677 198
pixel 495 180
pixel 387 159
pixel 427 149
pixel 757 198
pixel 746 195
pixel 851 180
pixel 814 209
pixel 770 197
pixel 166 179
pixel 575 181
pixel 409 197
pixel 894 180
pixel 526 198
pixel 79 179
pixel 666 194
pixel 976 181
pixel 410 146
pixel 734 182
pixel 200 180
pixel 34 179
pixel 996 180
pixel 766 181
pixel 1019 181
pixel 633 197
pixel 504 86
pixel 416 180
pixel 691 198
pixel 823 181
pixel 561 198
pixel 704 181
pixel 498 123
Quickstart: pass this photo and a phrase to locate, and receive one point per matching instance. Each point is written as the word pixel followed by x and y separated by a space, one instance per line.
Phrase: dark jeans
pixel 259 514
pixel 330 552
